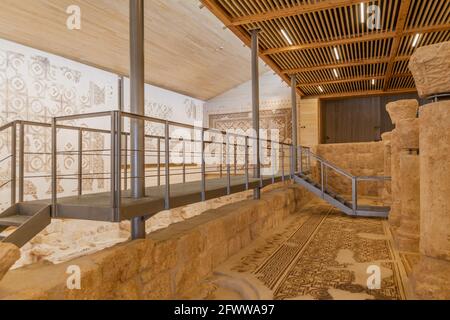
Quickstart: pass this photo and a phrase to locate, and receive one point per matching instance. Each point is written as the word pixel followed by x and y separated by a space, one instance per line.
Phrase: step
pixel 13 221
pixel 2 238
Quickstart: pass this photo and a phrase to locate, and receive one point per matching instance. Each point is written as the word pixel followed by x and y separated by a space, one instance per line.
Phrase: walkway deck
pixel 98 207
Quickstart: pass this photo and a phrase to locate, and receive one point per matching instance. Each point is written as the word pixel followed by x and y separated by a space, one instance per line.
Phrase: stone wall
pixel 169 262
pixel 359 159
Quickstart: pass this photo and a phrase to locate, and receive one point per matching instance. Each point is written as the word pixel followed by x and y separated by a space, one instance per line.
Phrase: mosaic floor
pixel 318 254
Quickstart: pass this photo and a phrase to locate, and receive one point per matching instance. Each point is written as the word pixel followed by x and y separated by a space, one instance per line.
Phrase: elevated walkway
pixel 230 175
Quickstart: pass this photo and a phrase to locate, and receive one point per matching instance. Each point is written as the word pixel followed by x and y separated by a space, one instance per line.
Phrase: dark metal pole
pixel 294 120
pixel 137 106
pixel 255 107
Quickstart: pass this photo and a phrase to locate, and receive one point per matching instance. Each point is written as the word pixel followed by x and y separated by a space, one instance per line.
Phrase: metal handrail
pixel 324 165
pixel 116 151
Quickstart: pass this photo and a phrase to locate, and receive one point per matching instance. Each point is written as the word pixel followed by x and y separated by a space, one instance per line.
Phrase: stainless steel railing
pixel 228 166
pixel 325 168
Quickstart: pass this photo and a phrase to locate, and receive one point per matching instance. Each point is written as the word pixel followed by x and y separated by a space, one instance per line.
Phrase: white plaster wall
pixel 274 94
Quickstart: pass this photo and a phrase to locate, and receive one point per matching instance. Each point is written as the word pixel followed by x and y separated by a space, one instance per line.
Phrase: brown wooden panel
pixel 361 119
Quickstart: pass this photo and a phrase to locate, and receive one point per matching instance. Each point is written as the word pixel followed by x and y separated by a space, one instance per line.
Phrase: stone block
pixel 430 66
pixel 402 109
pixel 9 254
pixel 408 134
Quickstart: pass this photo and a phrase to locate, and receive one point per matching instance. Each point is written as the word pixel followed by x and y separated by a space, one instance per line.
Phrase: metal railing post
pixel 273 156
pixel 125 173
pixel 80 162
pixel 322 180
pixel 247 176
pixel 54 144
pixel 354 195
pixel 301 159
pixel 13 162
pixel 282 163
pixel 221 160
pixel 21 161
pixel 184 161
pixel 228 165
pixel 203 166
pixel 158 161
pixel 167 163
pixel 292 162
pixel 115 164
pixel 235 158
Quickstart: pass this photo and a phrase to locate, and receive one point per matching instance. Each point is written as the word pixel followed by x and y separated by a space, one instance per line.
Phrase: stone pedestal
pixel 408 234
pixel 431 276
pixel 386 194
pixel 430 67
pixel 398 111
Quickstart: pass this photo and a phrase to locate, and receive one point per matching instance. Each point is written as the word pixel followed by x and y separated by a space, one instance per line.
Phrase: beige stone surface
pixel 430 66
pixel 431 279
pixel 402 109
pixel 396 207
pixel 408 234
pixel 408 133
pixel 387 192
pixel 169 262
pixel 64 240
pixel 359 159
pixel 435 180
pixel 9 254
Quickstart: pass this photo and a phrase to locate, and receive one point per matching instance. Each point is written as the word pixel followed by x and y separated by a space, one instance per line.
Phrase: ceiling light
pixel 416 40
pixel 286 36
pixel 336 73
pixel 320 89
pixel 373 82
pixel 363 14
pixel 336 53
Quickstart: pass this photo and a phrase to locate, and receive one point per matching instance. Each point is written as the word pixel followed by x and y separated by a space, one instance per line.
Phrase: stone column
pixel 398 110
pixel 431 70
pixel 386 193
pixel 407 235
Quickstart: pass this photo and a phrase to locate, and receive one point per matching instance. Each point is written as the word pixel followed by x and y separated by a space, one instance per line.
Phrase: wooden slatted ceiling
pixel 370 61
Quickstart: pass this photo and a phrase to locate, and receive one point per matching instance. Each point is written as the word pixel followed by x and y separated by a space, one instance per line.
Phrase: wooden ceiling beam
pixel 362 94
pixel 357 63
pixel 295 11
pixel 345 80
pixel 341 65
pixel 399 31
pixel 367 37
pixel 244 36
pixel 332 43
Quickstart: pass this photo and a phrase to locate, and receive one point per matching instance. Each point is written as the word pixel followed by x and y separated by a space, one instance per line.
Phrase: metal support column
pixel 294 120
pixel 137 106
pixel 255 107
